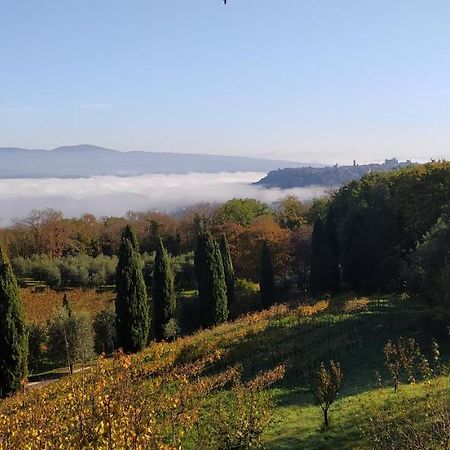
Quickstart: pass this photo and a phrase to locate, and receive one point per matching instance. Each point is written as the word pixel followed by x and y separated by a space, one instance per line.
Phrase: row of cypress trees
pixel 137 319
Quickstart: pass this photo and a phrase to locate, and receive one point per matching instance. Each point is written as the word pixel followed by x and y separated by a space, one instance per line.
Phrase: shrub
pixel 38 345
pixel 68 271
pixel 105 339
pixel 171 330
pixel 247 297
pixel 45 270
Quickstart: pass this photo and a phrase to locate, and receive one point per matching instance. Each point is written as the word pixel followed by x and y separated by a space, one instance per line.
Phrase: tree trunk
pixel 325 417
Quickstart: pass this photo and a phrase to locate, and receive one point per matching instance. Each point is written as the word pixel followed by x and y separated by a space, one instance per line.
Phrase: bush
pixel 247 298
pixel 105 332
pixel 37 348
pixel 46 270
pixel 171 330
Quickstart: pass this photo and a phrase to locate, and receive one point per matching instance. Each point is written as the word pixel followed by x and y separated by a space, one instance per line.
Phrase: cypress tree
pixel 13 331
pixel 212 289
pixel 228 269
pixel 318 243
pixel 266 280
pixel 324 276
pixel 164 299
pixel 332 269
pixel 67 305
pixel 132 305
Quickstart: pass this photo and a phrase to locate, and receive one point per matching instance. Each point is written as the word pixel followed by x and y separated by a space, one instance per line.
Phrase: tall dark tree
pixel 212 289
pixel 164 298
pixel 324 276
pixel 333 274
pixel 318 256
pixel 67 305
pixel 13 331
pixel 228 268
pixel 266 280
pixel 132 305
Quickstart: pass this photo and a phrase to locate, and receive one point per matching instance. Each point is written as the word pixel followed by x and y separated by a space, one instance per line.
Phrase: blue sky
pixel 317 80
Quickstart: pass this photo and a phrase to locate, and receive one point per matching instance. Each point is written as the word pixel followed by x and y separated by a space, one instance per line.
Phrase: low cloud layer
pixel 110 195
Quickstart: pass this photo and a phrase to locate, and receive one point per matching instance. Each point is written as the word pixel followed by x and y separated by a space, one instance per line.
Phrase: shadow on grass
pixel 355 341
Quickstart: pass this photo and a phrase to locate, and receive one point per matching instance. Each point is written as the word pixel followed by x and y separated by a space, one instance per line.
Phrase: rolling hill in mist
pixel 88 161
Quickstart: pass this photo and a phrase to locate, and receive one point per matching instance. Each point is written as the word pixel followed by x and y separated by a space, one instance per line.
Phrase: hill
pixel 87 160
pixel 331 177
pixel 170 395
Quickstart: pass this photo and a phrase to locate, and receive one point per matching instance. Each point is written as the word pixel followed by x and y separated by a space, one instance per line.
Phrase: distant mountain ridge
pixel 335 176
pixel 81 161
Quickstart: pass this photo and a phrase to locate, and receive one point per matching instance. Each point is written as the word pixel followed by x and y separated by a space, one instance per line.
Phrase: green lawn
pixel 298 424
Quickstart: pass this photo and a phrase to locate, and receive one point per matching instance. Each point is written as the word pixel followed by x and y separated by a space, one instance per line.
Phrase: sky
pixel 315 81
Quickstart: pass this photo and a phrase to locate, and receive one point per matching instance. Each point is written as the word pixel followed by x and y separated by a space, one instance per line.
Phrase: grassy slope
pixel 350 331
pixel 297 424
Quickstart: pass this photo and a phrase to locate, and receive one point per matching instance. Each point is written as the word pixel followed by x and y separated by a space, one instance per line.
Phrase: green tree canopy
pixel 70 337
pixel 291 213
pixel 241 211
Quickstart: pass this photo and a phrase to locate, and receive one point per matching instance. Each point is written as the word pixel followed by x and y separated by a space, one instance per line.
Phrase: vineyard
pixel 41 305
pixel 237 385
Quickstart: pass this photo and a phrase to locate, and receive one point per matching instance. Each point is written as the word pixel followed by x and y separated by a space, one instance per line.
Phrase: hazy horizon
pixel 347 160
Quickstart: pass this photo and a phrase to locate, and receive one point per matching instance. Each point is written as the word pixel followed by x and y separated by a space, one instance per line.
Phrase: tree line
pixel 387 233
pixel 82 252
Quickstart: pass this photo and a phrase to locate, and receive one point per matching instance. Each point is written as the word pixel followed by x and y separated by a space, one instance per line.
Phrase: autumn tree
pixel 248 248
pixel 164 298
pixel 326 387
pixel 228 269
pixel 13 331
pixel 212 289
pixel 132 305
pixel 266 279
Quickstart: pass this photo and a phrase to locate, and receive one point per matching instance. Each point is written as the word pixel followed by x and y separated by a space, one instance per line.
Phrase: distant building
pixel 391 162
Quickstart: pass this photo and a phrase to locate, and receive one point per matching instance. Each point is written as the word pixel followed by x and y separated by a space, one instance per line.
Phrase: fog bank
pixel 112 195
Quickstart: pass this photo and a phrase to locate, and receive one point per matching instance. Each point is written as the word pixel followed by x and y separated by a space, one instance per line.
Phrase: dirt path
pixel 52 378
